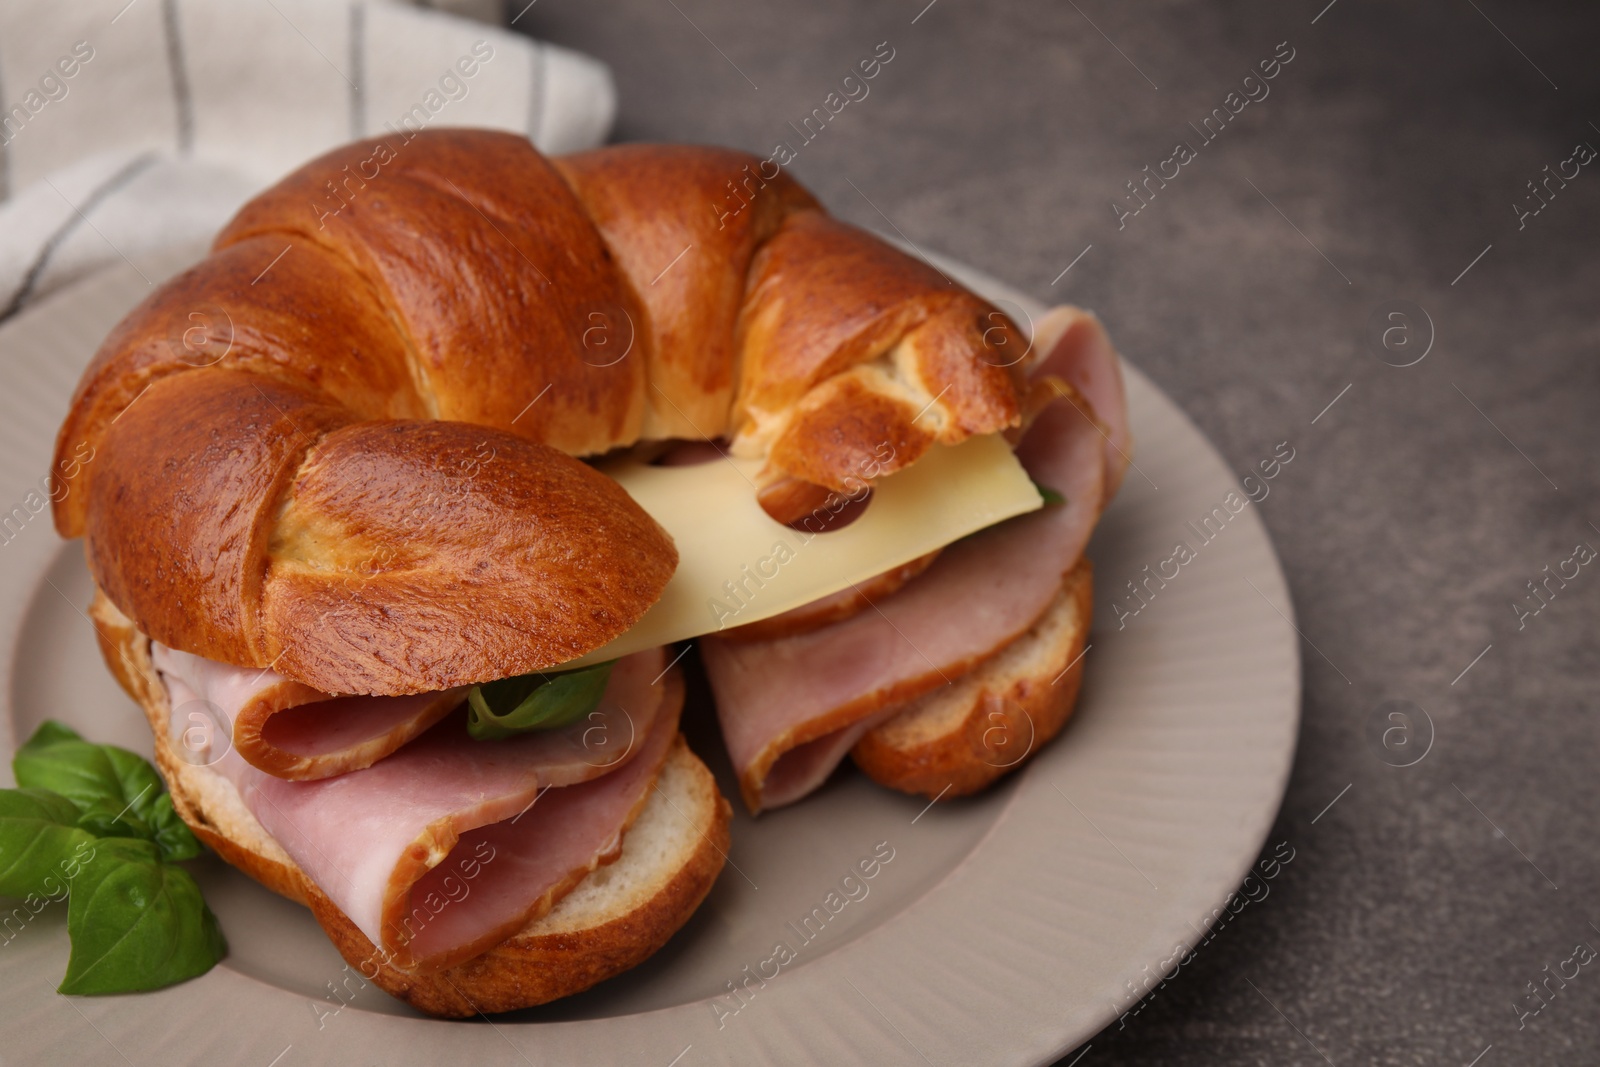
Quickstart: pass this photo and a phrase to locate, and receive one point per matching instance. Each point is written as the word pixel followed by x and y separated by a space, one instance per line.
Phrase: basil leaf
pixel 97 819
pixel 51 731
pixel 119 792
pixel 1050 495
pixel 512 706
pixel 86 773
pixel 136 923
pixel 37 840
pixel 172 834
pixel 106 818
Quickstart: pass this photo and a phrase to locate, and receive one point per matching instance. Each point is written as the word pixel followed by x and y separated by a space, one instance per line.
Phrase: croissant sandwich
pixel 402 500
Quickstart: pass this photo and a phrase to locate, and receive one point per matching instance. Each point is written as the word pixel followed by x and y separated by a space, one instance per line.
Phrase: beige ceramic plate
pixel 1001 931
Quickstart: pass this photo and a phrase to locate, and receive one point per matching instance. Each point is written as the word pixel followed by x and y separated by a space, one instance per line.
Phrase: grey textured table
pixel 1389 160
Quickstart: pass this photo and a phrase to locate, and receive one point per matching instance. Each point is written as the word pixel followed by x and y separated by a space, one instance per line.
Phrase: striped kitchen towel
pixel 130 126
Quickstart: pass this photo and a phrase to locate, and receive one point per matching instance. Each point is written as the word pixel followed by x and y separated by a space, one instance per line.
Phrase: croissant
pixel 345 445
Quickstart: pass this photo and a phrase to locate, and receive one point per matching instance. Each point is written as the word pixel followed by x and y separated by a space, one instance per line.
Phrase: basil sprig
pixel 511 706
pixel 95 824
pixel 110 785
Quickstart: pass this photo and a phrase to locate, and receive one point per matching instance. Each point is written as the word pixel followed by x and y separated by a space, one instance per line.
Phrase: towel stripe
pixel 182 100
pixel 121 178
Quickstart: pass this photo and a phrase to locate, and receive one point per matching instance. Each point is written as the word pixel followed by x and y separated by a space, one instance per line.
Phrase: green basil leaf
pixel 512 706
pixel 51 731
pixel 1051 496
pixel 87 773
pixel 173 836
pixel 38 840
pixel 119 792
pixel 136 923
pixel 107 818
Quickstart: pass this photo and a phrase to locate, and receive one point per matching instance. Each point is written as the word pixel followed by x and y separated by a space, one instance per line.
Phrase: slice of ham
pixel 537 857
pixel 400 845
pixel 806 766
pixel 779 699
pixel 293 731
pixel 1074 346
pixel 835 607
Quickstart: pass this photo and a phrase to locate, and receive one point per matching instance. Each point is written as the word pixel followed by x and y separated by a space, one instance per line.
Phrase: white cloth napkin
pixel 130 127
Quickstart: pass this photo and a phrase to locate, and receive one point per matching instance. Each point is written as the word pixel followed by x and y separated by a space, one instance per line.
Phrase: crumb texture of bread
pixel 961 737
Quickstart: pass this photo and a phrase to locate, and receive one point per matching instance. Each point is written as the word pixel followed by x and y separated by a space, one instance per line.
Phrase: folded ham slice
pixel 400 845
pixel 1071 344
pixel 291 730
pixel 532 859
pixel 791 707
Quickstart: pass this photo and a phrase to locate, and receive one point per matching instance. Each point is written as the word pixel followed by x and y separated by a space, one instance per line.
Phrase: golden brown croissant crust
pixel 343 444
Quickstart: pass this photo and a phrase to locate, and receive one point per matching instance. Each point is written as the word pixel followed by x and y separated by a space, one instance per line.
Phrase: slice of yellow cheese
pixel 736 565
